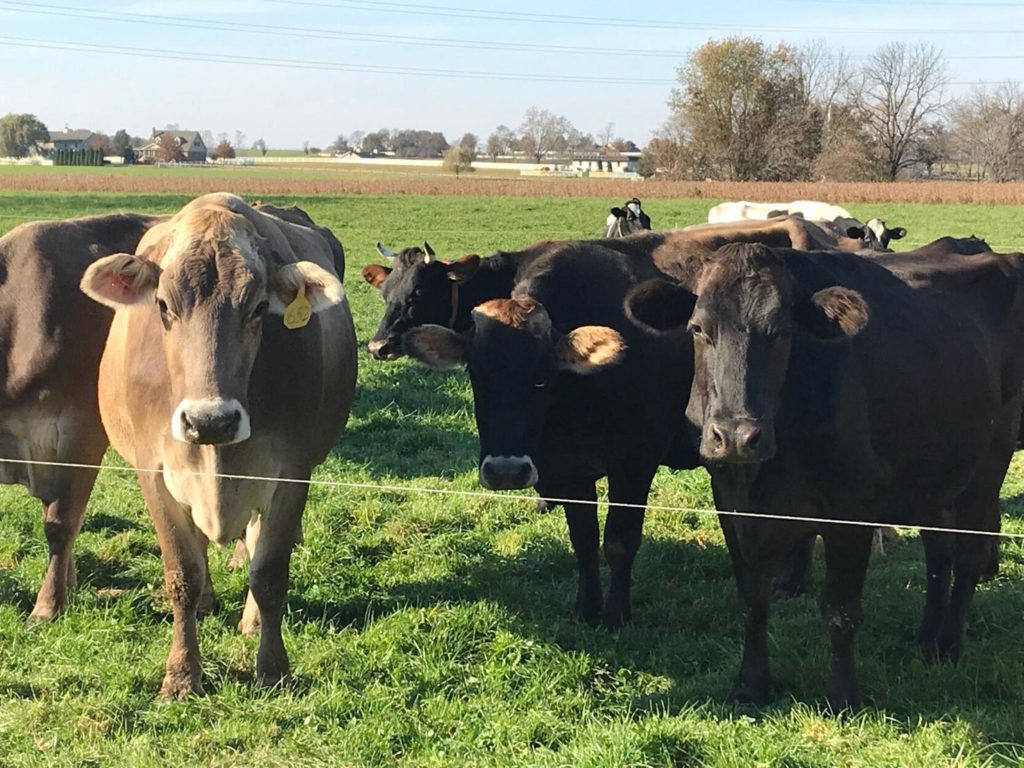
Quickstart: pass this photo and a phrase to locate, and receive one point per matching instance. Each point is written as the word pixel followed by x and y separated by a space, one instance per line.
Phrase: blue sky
pixel 286 106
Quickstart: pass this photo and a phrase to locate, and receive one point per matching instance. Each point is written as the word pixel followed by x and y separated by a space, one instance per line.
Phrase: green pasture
pixel 436 630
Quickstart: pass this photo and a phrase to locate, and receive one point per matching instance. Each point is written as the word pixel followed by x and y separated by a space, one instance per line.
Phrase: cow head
pixel 626 220
pixel 743 318
pixel 513 354
pixel 211 281
pixel 418 289
pixel 876 235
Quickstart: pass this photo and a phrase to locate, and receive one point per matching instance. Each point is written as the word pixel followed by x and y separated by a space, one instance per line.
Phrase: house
pixel 74 141
pixel 193 148
pixel 606 160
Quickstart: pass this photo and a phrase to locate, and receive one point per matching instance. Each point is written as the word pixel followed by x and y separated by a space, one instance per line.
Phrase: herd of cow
pixel 820 379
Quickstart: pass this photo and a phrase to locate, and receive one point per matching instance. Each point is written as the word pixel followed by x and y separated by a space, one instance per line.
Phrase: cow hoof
pixel 249 627
pixel 543 506
pixel 209 605
pixel 273 679
pixel 238 557
pixel 616 618
pixel 181 685
pixel 44 613
pixel 744 695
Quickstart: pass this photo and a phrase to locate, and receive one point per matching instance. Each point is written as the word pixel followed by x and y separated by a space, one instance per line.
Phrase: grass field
pixel 431 630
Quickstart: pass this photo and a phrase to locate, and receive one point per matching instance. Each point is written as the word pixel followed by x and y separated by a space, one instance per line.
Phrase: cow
pixel 837 219
pixel 52 337
pixel 230 370
pixel 420 289
pixel 828 386
pixel 626 220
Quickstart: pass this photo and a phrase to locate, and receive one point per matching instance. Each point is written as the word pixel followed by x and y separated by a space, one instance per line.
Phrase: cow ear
pixel 833 313
pixel 618 213
pixel 375 274
pixel 322 288
pixel 462 270
pixel 436 347
pixel 857 233
pixel 121 280
pixel 897 234
pixel 589 348
pixel 657 305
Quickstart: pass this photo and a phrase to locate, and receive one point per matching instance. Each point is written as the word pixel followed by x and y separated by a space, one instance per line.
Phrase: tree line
pixel 746 111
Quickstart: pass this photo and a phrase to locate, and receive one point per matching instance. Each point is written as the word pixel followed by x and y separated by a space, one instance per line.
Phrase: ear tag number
pixel 298 313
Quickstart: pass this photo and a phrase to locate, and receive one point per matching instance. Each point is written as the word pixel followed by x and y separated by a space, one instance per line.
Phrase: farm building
pixel 74 141
pixel 606 161
pixel 192 147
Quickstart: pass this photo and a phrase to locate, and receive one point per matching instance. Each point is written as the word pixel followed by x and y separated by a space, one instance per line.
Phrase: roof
pixel 186 136
pixel 81 135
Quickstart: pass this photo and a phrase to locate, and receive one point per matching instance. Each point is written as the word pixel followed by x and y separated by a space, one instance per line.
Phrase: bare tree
pixel 827 75
pixel 170 150
pixel 544 132
pixel 500 142
pixel 988 130
pixel 902 88
pixel 606 135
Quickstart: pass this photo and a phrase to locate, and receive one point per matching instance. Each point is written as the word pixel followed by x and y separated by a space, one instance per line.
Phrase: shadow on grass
pixel 687 628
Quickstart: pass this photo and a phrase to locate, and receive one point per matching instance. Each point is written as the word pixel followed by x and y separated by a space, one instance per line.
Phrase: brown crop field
pixel 306 183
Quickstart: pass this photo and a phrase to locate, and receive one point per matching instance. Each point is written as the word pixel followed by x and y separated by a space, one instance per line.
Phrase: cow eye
pixel 697 331
pixel 165 313
pixel 259 311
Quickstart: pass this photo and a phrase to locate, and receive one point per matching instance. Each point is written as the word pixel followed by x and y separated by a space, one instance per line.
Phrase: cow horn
pixel 384 251
pixel 429 254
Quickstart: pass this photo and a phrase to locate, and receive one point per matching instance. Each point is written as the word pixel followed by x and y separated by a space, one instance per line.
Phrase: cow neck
pixel 494 279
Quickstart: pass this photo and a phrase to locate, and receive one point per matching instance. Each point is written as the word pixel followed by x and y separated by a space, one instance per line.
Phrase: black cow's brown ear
pixel 375 274
pixel 618 213
pixel 833 313
pixel 657 305
pixel 436 347
pixel 463 269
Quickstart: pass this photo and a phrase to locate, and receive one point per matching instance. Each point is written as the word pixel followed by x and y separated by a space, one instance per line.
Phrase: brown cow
pixel 52 337
pixel 202 380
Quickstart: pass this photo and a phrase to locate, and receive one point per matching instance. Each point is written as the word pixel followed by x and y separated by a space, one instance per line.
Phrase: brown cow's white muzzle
pixel 210 422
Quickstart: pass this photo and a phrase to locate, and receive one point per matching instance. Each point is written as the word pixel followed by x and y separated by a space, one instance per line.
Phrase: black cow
pixel 567 391
pixel 827 386
pixel 626 220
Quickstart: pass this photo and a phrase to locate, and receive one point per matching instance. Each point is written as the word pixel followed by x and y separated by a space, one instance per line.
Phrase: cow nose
pixel 385 349
pixel 210 422
pixel 737 440
pixel 506 473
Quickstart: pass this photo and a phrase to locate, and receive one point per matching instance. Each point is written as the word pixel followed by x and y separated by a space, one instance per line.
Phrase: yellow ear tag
pixel 297 314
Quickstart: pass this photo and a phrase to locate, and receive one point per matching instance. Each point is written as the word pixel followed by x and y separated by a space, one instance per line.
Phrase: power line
pixel 618 23
pixel 328 66
pixel 185 22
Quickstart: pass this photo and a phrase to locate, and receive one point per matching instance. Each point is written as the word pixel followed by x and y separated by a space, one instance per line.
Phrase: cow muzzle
pixel 507 473
pixel 386 349
pixel 737 441
pixel 210 422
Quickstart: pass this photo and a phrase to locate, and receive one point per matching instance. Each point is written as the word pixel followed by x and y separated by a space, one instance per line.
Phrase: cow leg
pixel 250 622
pixel 847 552
pixel 585 536
pixel 238 557
pixel 754 586
pixel 183 548
pixel 62 520
pixel 623 532
pixel 279 531
pixel 938 555
pixel 795 575
pixel 209 605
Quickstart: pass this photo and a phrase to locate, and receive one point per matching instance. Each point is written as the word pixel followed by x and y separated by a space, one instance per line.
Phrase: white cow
pixel 837 219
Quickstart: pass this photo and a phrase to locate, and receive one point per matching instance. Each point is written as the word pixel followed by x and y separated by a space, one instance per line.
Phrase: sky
pixel 290 72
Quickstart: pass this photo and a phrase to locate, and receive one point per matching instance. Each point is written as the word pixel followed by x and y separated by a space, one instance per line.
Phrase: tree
pixel 224 151
pixel 741 113
pixel 120 142
pixel 469 141
pixel 377 142
pixel 987 129
pixel 645 166
pixel 260 146
pixel 500 141
pixel 418 143
pixel 169 148
pixel 305 146
pixel 20 135
pixel 340 145
pixel 606 135
pixel 544 132
pixel 901 90
pixel 459 159
pixel 239 139
pixel 101 143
